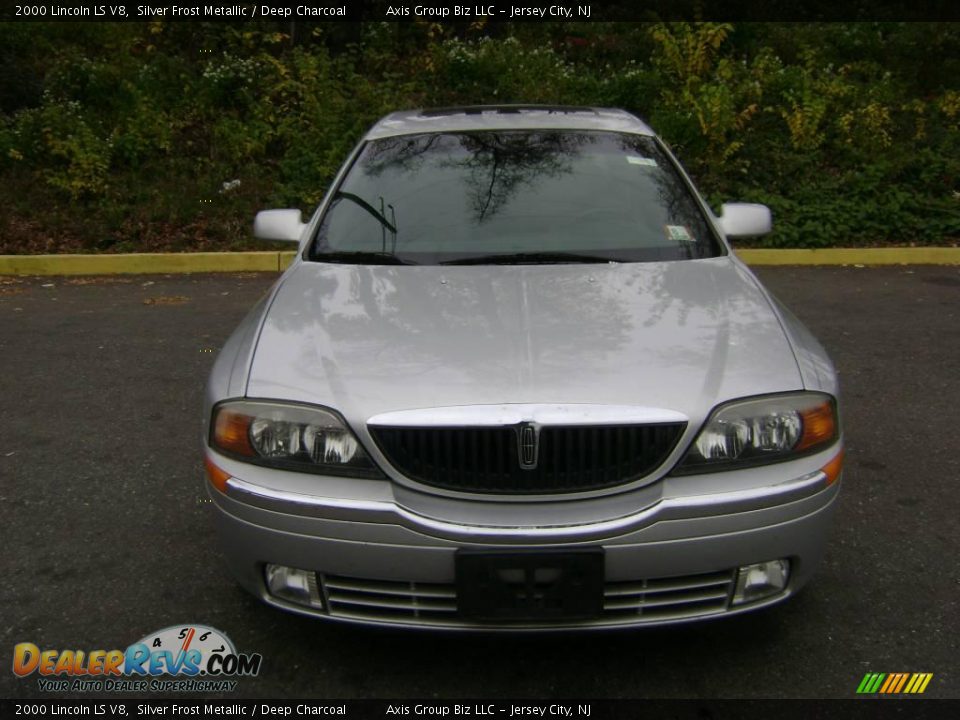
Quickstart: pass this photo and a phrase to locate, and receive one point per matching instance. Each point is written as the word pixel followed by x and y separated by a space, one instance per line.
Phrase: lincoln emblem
pixel 527 438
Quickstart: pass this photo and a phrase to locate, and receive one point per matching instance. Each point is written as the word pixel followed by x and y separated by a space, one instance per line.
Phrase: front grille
pixel 487 459
pixel 435 604
pixel 389 600
pixel 668 598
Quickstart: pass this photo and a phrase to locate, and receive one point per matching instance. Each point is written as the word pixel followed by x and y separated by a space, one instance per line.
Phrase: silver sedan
pixel 516 378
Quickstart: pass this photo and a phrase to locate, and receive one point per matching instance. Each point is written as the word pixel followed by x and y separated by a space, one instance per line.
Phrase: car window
pixel 513 197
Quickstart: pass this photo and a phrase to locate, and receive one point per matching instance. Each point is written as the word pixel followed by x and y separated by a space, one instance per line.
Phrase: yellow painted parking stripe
pixel 851 256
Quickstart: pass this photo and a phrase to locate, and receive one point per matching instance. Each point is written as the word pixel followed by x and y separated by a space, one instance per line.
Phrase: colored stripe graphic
pixel 900 683
pixel 921 682
pixel 871 682
pixel 894 683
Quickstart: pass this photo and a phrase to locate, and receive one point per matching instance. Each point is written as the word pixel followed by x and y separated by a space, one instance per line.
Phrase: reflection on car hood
pixel 371 339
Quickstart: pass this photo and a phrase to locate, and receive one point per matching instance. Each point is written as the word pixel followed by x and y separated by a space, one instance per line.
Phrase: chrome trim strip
pixel 536 414
pixel 667 509
pixel 286 501
pixel 460 626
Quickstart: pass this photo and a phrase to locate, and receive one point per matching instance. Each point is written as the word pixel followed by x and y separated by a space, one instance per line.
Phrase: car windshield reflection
pixel 513 197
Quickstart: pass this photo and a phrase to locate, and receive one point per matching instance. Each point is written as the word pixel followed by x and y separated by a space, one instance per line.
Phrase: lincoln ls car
pixel 516 378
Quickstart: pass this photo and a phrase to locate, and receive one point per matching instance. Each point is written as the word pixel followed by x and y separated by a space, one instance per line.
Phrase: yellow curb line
pixel 141 263
pixel 273 261
pixel 852 256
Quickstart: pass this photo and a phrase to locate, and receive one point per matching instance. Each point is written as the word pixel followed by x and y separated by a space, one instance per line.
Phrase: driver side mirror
pixel 284 225
pixel 745 219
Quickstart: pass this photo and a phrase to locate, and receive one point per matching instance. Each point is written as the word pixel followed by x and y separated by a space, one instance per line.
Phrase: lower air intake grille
pixel 389 600
pixel 668 598
pixel 487 459
pixel 435 604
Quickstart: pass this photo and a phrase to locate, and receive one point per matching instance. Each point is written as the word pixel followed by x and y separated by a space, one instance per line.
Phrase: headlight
pixel 761 430
pixel 291 437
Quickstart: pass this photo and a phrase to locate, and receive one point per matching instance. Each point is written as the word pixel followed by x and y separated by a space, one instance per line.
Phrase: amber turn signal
pixel 231 432
pixel 217 477
pixel 819 426
pixel 832 469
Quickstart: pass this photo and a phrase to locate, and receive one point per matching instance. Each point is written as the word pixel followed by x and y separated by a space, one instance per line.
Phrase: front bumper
pixel 671 553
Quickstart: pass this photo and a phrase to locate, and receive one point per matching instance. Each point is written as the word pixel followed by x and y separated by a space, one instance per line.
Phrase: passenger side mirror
pixel 745 219
pixel 279 225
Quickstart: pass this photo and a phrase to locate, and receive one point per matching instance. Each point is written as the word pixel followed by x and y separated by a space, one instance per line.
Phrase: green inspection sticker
pixel 679 233
pixel 636 160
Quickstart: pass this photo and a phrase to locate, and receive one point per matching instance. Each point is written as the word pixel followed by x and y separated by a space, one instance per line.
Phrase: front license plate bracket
pixel 518 585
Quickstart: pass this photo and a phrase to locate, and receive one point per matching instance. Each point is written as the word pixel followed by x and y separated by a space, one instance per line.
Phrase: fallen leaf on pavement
pixel 166 300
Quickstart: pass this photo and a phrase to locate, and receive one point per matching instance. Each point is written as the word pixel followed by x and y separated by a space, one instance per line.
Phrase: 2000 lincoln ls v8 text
pixel 517 379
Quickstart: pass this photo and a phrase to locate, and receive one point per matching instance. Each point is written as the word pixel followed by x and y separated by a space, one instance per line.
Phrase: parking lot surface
pixel 107 537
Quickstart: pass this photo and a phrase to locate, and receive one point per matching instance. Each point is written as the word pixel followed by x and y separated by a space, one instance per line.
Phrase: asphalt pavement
pixel 106 536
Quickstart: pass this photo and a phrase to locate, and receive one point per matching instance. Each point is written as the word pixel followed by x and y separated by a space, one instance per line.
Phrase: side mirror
pixel 745 219
pixel 278 225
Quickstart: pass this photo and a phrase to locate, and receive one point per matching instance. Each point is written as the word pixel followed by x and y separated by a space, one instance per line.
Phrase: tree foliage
pixel 133 137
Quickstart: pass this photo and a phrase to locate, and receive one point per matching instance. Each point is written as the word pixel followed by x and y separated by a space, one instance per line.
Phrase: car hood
pixel 365 340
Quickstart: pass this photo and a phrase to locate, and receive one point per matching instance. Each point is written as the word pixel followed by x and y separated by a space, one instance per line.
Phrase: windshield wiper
pixel 361 257
pixel 531 258
pixel 379 216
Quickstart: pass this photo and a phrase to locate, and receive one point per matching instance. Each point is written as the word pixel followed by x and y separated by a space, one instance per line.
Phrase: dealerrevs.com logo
pixel 197 657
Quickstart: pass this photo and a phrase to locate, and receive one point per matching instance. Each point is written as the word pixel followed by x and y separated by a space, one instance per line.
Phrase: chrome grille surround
pixel 491 459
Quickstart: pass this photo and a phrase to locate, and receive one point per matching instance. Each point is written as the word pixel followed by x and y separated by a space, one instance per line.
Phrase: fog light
pixel 759 581
pixel 294 585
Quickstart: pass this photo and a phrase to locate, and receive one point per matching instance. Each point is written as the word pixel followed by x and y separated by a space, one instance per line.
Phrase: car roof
pixel 506 117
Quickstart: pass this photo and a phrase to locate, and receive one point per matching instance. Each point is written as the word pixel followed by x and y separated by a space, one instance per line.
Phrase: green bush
pixel 133 136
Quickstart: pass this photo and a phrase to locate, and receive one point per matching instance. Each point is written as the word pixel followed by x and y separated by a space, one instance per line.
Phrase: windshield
pixel 512 197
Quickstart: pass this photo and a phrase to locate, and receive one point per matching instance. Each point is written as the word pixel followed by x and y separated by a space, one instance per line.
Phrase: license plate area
pixel 530 584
